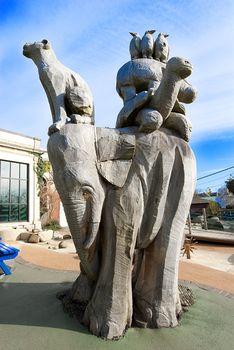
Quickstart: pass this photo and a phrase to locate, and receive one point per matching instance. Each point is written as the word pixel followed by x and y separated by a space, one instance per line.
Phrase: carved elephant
pixel 124 192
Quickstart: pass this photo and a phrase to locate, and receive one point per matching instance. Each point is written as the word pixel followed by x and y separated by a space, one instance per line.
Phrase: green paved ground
pixel 31 318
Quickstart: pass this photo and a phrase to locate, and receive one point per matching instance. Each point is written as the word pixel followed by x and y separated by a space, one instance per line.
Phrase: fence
pixel 226 214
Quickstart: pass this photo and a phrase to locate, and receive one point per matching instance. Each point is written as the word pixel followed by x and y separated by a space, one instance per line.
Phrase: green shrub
pixel 53 225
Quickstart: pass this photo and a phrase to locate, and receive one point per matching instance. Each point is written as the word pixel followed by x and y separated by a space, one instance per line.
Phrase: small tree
pixel 41 168
pixel 49 198
pixel 230 184
pixel 208 192
pixel 213 208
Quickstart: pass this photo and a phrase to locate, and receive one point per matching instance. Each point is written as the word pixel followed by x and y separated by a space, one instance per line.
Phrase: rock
pixel 67 236
pixel 214 223
pixel 24 236
pixel 213 219
pixel 33 238
pixel 57 236
pixel 63 245
pixel 46 235
pixel 11 234
pixel 52 247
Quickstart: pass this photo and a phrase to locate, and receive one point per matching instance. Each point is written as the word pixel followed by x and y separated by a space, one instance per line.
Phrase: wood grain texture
pixel 130 270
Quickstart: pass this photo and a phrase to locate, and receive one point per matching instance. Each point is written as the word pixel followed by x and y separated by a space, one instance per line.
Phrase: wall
pixel 23 149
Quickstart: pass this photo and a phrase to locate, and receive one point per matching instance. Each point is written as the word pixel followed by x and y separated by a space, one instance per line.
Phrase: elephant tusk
pixel 93 231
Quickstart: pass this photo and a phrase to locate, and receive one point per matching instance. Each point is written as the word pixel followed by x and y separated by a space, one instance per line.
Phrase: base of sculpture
pixel 76 308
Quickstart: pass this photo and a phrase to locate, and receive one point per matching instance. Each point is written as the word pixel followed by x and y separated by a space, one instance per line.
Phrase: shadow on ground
pixel 35 304
pixel 31 317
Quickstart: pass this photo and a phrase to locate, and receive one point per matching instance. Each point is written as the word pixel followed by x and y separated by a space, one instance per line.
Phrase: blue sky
pixel 92 38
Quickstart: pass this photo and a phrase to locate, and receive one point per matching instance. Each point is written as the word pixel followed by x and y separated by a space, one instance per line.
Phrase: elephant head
pixel 85 160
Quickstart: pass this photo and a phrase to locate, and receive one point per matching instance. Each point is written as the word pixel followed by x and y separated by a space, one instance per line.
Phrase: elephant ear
pixel 115 149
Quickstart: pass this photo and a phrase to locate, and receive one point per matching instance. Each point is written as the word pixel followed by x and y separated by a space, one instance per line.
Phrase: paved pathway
pixel 213 236
pixel 211 264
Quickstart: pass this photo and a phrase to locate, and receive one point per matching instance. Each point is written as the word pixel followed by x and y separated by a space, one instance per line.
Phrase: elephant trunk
pixel 78 225
pixel 94 222
pixel 93 231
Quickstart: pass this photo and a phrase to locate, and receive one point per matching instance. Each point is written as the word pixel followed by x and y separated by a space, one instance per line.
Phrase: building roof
pixel 17 141
pixel 19 134
pixel 200 200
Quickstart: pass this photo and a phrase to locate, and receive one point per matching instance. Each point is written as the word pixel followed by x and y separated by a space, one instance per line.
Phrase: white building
pixel 19 203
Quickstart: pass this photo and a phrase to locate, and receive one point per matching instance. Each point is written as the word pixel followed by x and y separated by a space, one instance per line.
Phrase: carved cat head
pixel 31 50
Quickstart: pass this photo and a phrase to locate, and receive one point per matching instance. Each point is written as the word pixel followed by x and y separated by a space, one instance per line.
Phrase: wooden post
pixel 205 219
pixel 189 224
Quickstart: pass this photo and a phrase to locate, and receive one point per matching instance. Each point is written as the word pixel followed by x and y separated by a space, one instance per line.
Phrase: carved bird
pixel 161 48
pixel 135 46
pixel 147 44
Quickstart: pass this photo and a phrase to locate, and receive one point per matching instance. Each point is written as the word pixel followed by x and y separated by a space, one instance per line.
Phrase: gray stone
pixel 214 223
pixel 67 236
pixel 53 247
pixel 24 236
pixel 213 219
pixel 62 244
pixel 46 235
pixel 33 238
pixel 57 236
